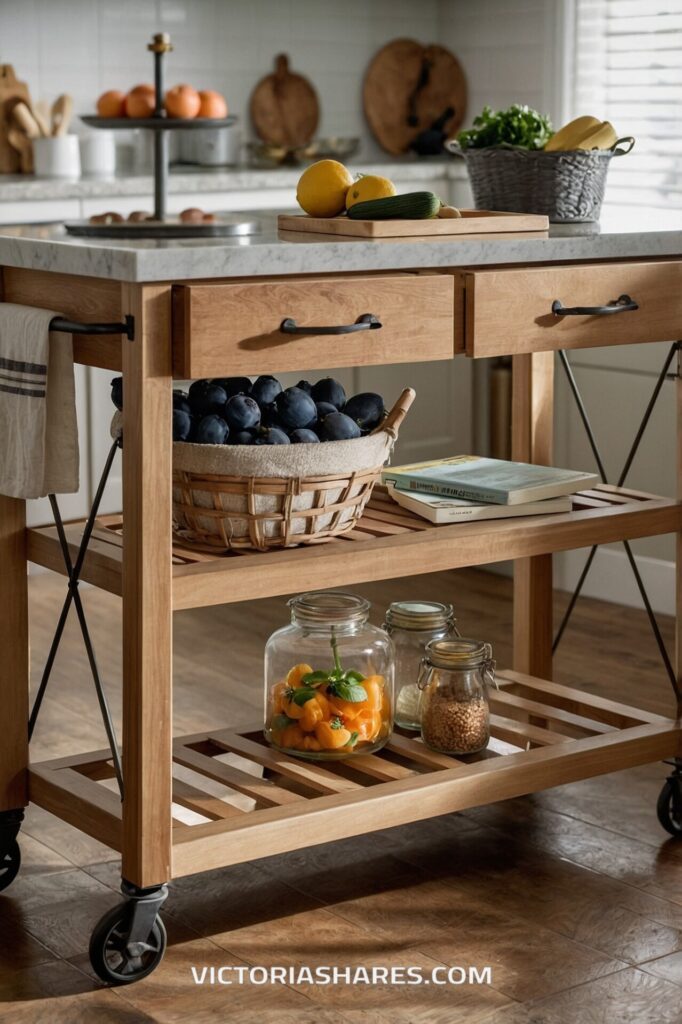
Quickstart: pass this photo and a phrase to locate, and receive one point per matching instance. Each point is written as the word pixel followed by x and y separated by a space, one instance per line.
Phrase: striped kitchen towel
pixel 38 427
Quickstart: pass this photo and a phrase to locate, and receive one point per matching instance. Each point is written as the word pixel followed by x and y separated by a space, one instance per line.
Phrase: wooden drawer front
pixel 234 328
pixel 510 311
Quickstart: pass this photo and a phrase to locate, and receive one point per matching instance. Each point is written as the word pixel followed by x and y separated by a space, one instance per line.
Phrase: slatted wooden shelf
pixel 389 541
pixel 236 799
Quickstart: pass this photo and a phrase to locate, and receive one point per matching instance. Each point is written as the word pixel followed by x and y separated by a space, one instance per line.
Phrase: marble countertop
pixel 186 178
pixel 623 234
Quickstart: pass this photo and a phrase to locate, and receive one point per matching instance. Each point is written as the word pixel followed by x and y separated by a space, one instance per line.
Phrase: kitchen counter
pixel 623 233
pixel 186 178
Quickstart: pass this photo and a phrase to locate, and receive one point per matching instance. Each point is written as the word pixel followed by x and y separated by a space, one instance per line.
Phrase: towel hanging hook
pixel 59 323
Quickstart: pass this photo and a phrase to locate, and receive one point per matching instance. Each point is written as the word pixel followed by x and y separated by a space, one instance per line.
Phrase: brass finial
pixel 160 43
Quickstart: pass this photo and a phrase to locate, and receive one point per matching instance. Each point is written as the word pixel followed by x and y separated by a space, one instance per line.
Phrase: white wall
pixel 87 46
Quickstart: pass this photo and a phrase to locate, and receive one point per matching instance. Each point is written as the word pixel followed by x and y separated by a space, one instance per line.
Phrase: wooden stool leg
pixel 14 656
pixel 147 597
pixel 532 440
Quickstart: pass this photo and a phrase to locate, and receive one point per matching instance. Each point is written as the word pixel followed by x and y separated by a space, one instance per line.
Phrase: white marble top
pixel 185 178
pixel 623 233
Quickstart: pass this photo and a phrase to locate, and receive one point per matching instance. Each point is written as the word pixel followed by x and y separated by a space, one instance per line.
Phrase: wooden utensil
pixel 407 88
pixel 284 107
pixel 25 120
pixel 11 91
pixel 41 113
pixel 21 145
pixel 62 109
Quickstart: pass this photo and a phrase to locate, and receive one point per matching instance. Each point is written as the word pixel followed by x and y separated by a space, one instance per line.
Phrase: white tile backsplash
pixel 87 46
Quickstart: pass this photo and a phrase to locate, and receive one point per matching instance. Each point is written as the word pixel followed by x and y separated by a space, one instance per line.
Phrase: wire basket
pixel 567 187
pixel 244 497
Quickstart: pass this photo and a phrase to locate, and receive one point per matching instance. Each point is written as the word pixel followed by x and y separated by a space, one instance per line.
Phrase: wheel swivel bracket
pixel 144 905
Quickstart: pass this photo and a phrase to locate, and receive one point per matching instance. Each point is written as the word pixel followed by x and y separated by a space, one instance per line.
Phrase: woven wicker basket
pixel 566 186
pixel 258 498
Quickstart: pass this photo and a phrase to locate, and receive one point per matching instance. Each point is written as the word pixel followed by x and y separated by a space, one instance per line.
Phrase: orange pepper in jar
pixel 368 725
pixel 312 714
pixel 278 697
pixel 295 674
pixel 292 737
pixel 331 735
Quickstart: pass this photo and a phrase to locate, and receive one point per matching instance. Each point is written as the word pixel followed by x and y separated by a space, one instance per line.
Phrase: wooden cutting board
pixel 11 92
pixel 284 107
pixel 472 222
pixel 407 86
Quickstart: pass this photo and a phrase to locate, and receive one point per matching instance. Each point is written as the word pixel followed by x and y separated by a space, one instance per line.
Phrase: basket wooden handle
pixel 398 413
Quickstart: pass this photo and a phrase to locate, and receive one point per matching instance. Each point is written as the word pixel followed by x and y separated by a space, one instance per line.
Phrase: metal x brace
pixel 676 347
pixel 73 572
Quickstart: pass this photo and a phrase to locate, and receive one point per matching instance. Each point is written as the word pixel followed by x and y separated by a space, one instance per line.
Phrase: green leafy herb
pixel 347 689
pixel 519 125
pixel 302 694
pixel 281 722
pixel 315 678
pixel 353 739
pixel 336 723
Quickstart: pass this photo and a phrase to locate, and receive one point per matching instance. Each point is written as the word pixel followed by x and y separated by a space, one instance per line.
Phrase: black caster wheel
pixel 116 960
pixel 10 862
pixel 669 806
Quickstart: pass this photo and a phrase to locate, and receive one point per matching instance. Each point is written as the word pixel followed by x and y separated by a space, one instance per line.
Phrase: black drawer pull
pixel 623 304
pixel 366 322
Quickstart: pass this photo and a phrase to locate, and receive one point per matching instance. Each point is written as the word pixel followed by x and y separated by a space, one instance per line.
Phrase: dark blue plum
pixel 117 392
pixel 266 389
pixel 303 436
pixel 273 435
pixel 233 385
pixel 329 390
pixel 295 409
pixel 269 416
pixel 242 437
pixel 180 401
pixel 367 409
pixel 182 425
pixel 324 408
pixel 241 412
pixel 338 427
pixel 206 398
pixel 306 386
pixel 212 430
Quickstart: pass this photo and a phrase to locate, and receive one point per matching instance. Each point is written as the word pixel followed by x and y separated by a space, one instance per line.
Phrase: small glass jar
pixel 411 625
pixel 455 717
pixel 328 679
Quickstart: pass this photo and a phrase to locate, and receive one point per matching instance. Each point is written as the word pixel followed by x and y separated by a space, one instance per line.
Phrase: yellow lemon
pixel 322 188
pixel 368 187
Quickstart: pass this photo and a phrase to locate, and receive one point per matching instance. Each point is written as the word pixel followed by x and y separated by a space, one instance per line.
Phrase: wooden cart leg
pixel 14 657
pixel 532 440
pixel 678 538
pixel 147 598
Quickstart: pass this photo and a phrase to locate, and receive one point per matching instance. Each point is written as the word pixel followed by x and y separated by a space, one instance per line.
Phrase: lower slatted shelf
pixel 236 799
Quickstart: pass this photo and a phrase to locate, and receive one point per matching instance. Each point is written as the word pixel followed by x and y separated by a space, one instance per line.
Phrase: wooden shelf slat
pixel 387 542
pixel 325 805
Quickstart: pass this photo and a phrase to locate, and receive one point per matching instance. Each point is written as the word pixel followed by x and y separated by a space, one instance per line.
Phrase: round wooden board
pixel 391 79
pixel 284 107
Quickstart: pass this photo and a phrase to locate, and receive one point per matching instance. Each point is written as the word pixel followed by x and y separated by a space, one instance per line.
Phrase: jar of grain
pixel 411 625
pixel 455 718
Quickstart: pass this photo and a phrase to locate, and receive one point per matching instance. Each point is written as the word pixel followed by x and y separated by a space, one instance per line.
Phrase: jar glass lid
pixel 329 606
pixel 459 653
pixel 418 615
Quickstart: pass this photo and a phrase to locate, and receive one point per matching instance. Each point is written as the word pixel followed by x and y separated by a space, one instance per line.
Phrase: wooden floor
pixel 573 897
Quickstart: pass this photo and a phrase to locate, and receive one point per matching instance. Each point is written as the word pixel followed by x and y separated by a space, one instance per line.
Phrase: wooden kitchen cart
pixel 221 327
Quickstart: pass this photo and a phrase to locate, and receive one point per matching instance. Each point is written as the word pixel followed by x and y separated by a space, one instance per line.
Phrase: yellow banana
pixel 572 133
pixel 602 137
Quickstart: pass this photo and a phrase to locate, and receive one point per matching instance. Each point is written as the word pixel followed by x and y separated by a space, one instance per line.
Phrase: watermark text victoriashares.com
pixel 337 975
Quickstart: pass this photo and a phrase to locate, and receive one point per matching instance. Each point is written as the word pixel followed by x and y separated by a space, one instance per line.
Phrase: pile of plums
pixel 235 410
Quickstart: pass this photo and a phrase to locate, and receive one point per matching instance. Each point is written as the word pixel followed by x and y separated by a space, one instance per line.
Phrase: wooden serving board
pixel 472 222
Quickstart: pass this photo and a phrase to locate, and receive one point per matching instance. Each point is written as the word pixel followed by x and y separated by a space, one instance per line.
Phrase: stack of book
pixel 467 487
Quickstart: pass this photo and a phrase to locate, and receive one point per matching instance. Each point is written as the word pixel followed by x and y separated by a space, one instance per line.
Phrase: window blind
pixel 628 70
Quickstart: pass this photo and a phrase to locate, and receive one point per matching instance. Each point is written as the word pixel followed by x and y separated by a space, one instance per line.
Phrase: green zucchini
pixel 411 206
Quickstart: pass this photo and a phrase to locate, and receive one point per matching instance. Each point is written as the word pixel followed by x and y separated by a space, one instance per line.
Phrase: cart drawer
pixel 510 311
pixel 238 327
